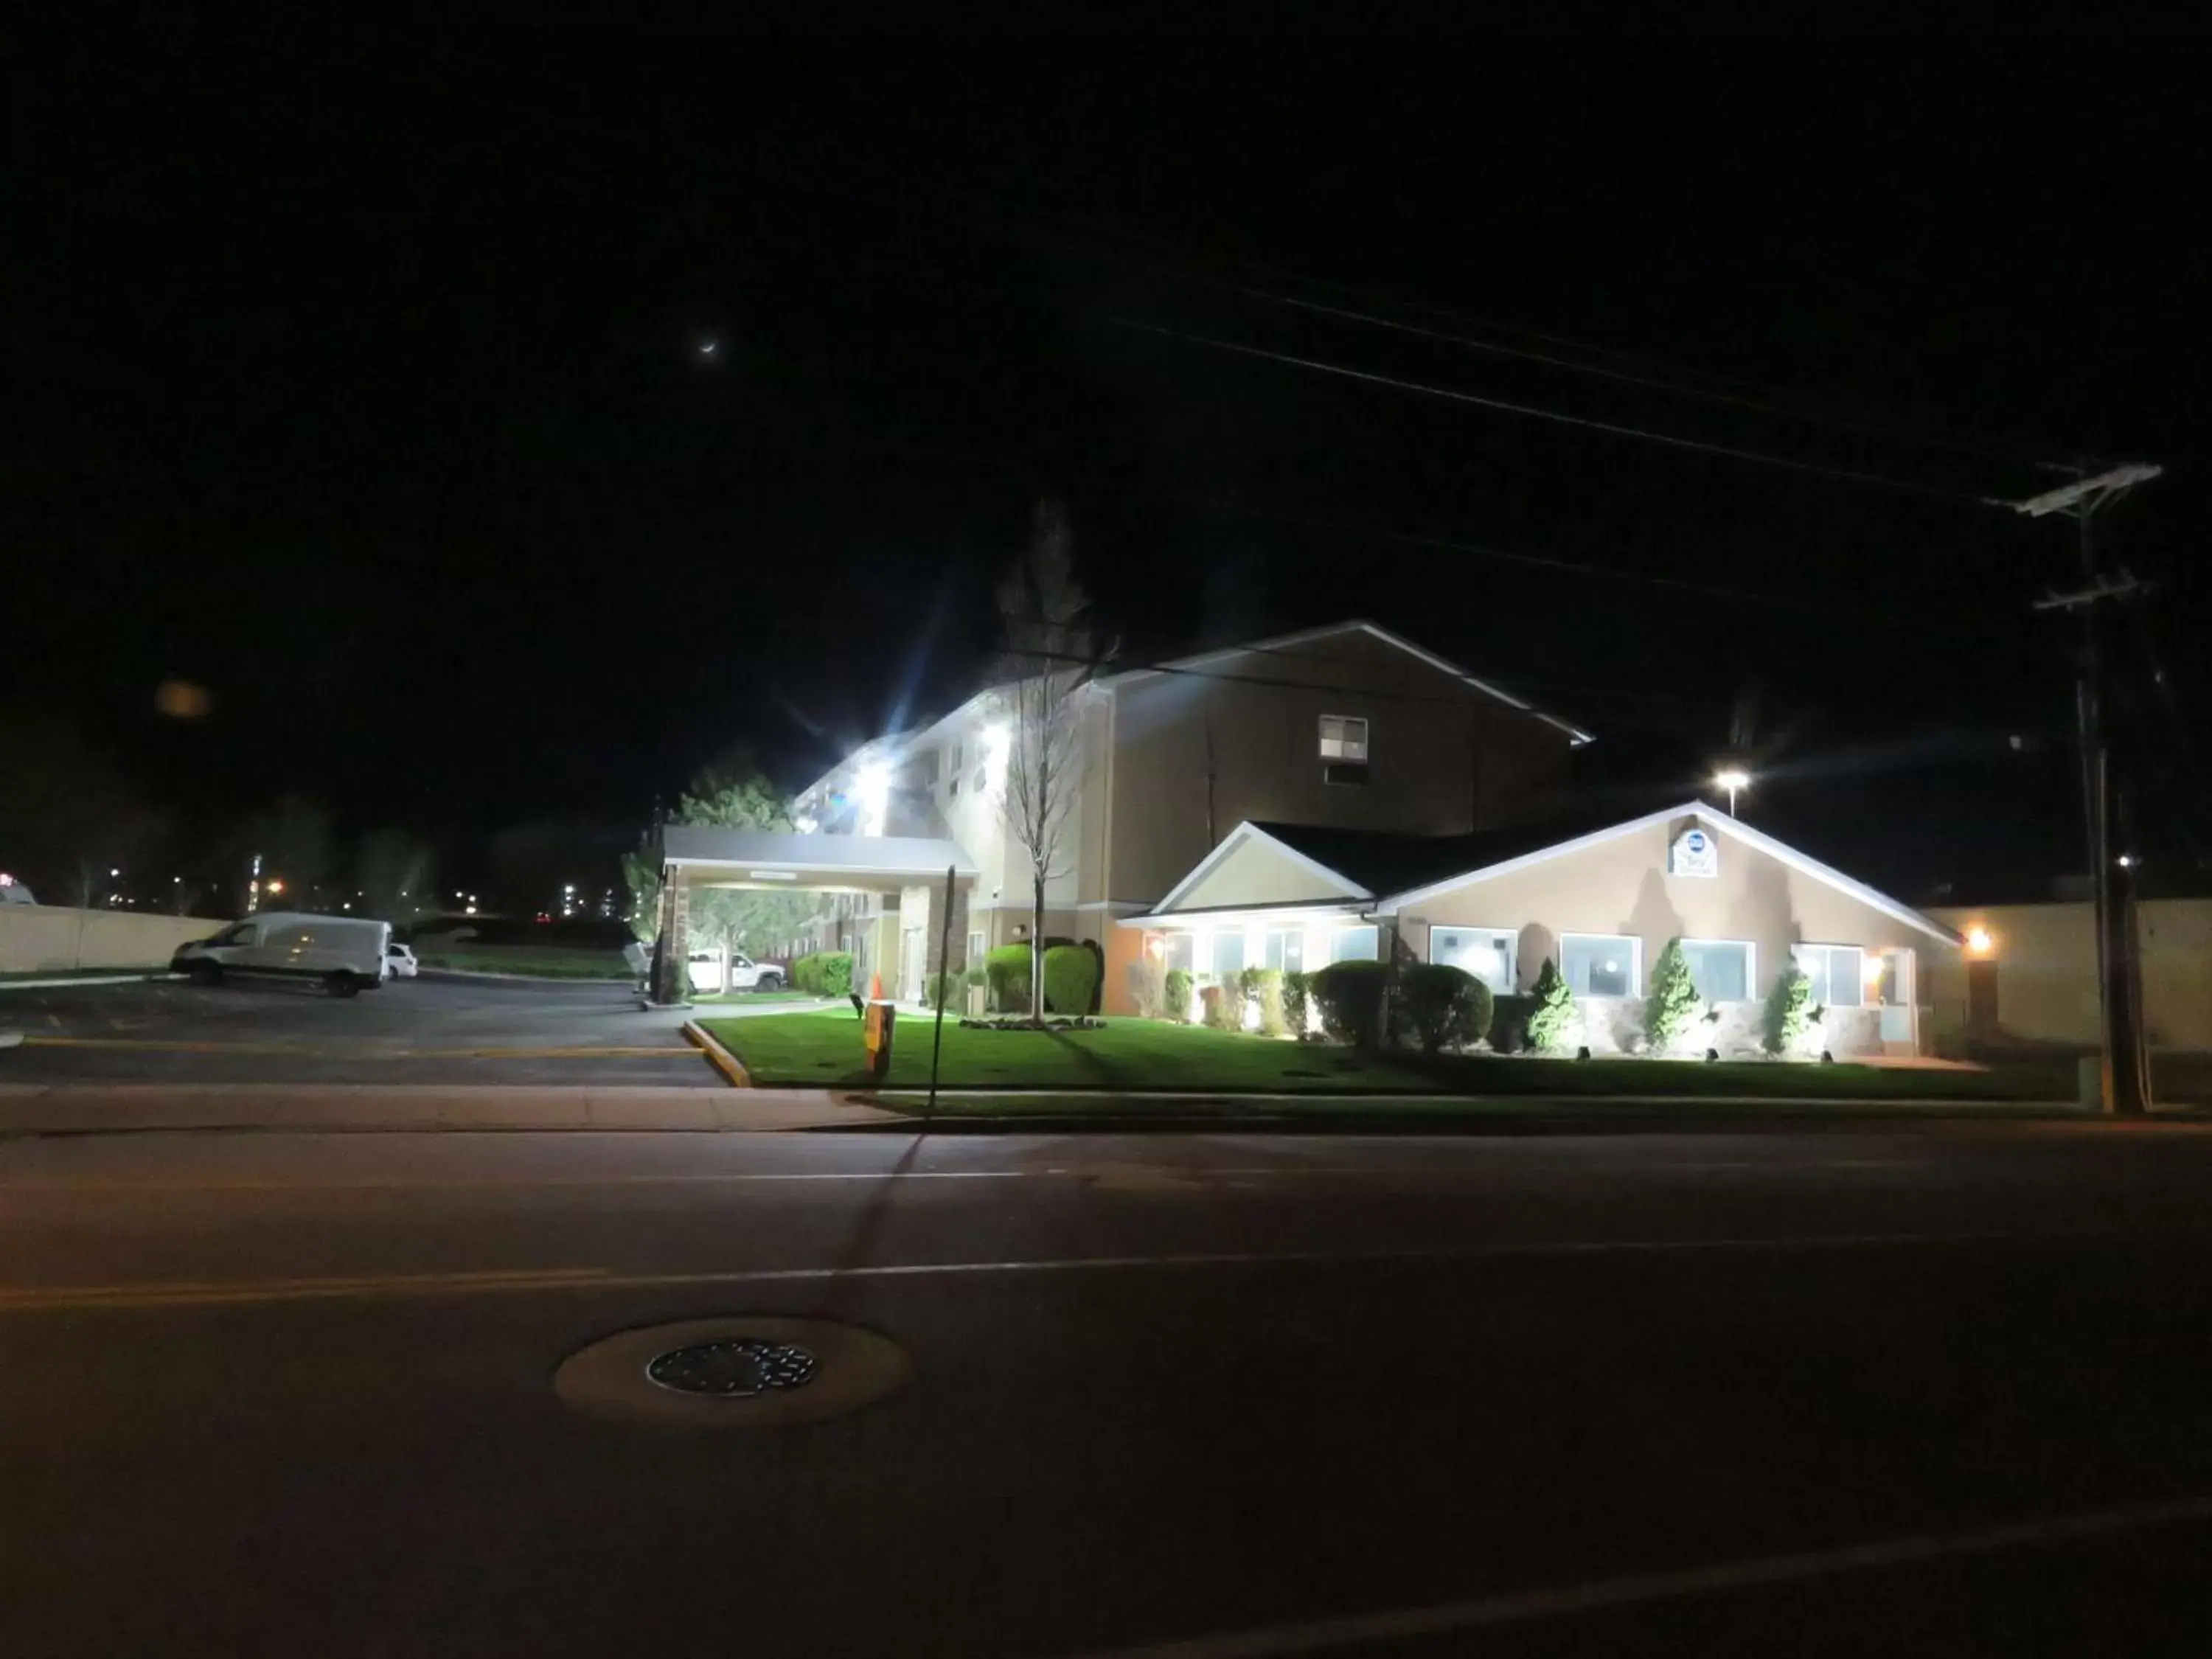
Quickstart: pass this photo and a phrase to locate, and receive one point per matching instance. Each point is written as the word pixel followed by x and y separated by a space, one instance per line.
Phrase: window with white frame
pixel 1343 738
pixel 1228 954
pixel 976 949
pixel 1832 972
pixel 1721 969
pixel 1486 952
pixel 1286 949
pixel 1179 953
pixel 1602 965
pixel 1355 945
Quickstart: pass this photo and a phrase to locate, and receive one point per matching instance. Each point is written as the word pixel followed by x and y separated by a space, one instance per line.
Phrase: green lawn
pixel 1133 1055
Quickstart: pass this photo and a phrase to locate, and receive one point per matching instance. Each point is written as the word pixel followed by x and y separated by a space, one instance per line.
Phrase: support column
pixel 673 982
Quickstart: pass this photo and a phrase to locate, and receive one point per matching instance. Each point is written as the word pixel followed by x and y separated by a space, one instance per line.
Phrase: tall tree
pixel 1048 661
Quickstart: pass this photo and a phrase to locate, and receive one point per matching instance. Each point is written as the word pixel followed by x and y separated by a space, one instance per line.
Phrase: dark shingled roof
pixel 1385 864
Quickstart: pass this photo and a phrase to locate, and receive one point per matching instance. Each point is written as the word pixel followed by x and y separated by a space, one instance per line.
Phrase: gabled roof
pixel 1394 872
pixel 1283 643
pixel 1712 817
pixel 1243 835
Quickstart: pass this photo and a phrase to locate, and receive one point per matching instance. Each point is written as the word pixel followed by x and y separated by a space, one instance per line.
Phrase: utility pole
pixel 2106 801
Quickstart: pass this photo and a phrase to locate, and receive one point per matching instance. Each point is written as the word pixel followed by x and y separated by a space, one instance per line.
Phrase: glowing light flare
pixel 872 787
pixel 1980 941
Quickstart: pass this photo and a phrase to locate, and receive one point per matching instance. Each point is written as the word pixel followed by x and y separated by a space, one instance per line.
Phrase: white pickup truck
pixel 740 972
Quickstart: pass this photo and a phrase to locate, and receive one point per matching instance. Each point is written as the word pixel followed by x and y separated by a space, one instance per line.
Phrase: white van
pixel 345 952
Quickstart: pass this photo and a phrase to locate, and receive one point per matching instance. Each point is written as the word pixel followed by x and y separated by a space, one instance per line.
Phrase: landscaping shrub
pixel 1552 1020
pixel 1447 1007
pixel 1224 1005
pixel 1788 1011
pixel 1352 997
pixel 1071 977
pixel 938 988
pixel 1264 987
pixel 1673 1002
pixel 1508 1023
pixel 1148 988
pixel 806 973
pixel 1008 970
pixel 1177 986
pixel 833 973
pixel 1295 985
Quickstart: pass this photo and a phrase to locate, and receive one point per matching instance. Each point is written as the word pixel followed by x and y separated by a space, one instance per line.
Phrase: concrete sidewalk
pixel 103 1108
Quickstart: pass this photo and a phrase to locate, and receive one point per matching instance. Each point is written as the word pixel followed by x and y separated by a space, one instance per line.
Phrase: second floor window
pixel 1343 738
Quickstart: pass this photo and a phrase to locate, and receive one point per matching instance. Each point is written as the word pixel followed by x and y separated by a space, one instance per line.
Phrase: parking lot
pixel 427 1031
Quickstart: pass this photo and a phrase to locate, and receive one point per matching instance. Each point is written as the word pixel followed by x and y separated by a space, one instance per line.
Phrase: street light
pixel 1732 779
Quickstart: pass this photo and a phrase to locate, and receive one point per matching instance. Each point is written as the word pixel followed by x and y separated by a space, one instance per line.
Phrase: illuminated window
pixel 1486 952
pixel 1720 968
pixel 1228 953
pixel 1180 953
pixel 1833 971
pixel 1602 965
pixel 1286 951
pixel 1355 945
pixel 1343 738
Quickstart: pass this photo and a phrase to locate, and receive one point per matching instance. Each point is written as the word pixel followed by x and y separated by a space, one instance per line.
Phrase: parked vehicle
pixel 744 974
pixel 399 961
pixel 346 953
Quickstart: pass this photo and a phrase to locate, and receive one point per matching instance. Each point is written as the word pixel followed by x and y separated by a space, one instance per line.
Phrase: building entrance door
pixel 913 944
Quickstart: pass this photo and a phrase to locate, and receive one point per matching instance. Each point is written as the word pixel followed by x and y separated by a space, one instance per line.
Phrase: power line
pixel 1505 406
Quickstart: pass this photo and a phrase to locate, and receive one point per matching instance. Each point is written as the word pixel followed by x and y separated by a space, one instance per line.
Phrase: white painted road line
pixel 157 1294
pixel 1525 1607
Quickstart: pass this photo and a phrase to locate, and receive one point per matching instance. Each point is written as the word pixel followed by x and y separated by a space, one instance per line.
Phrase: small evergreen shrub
pixel 1148 988
pixel 1552 1020
pixel 1296 987
pixel 1352 996
pixel 1673 1002
pixel 833 974
pixel 1446 1007
pixel 1264 987
pixel 1071 976
pixel 1177 986
pixel 1788 1011
pixel 1008 970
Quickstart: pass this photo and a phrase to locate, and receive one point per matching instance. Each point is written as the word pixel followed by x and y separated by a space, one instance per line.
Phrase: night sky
pixel 358 375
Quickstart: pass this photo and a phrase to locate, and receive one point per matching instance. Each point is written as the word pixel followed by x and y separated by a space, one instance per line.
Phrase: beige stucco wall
pixel 47 937
pixel 1443 758
pixel 1257 872
pixel 2046 965
pixel 1621 886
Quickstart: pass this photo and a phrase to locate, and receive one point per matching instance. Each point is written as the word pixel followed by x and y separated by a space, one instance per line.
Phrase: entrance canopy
pixel 770 859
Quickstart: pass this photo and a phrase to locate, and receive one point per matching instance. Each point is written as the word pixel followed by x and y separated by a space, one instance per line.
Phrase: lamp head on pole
pixel 1733 778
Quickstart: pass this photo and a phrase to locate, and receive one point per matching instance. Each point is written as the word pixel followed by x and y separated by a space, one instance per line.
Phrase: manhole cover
pixel 738 1370
pixel 734 1372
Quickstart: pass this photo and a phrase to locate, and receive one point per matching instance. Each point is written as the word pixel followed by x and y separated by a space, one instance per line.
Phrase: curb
pixel 425 971
pixel 722 1060
pixel 132 978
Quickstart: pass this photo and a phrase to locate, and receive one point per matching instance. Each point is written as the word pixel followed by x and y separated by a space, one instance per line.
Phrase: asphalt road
pixel 425 1030
pixel 1806 1392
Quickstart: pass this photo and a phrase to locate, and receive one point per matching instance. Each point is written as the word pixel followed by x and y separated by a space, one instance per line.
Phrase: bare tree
pixel 1048 661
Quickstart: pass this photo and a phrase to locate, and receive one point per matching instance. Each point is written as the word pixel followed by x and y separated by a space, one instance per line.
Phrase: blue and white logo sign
pixel 1695 852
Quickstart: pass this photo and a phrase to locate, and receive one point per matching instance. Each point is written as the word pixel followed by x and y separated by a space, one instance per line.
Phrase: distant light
pixel 1732 778
pixel 708 348
pixel 2127 862
pixel 470 910
pixel 114 872
pixel 180 699
pixel 1979 942
pixel 276 883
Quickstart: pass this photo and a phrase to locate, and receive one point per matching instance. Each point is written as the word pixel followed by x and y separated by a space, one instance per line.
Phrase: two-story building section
pixel 1349 727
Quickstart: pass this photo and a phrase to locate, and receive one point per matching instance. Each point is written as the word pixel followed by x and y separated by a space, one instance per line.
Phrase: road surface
pixel 1812 1392
pixel 425 1030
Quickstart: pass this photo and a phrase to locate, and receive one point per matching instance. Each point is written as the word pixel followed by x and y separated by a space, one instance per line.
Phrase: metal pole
pixel 944 964
pixel 2119 1023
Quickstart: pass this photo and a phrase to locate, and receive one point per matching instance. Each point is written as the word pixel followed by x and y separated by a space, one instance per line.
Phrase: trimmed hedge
pixel 938 988
pixel 1178 995
pixel 1071 978
pixel 1447 1007
pixel 1007 969
pixel 1295 989
pixel 833 973
pixel 806 973
pixel 1350 997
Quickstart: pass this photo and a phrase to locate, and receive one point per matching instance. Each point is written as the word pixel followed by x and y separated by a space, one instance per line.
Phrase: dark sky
pixel 356 375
